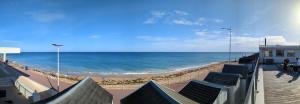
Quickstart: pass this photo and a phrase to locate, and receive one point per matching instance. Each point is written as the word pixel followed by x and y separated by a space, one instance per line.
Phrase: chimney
pixel 265 41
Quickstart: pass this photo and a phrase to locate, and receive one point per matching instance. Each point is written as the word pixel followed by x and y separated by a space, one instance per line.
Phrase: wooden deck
pixel 280 87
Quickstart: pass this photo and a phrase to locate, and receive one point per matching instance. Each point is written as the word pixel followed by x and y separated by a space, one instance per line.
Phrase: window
pixel 291 53
pixel 268 53
pixel 279 53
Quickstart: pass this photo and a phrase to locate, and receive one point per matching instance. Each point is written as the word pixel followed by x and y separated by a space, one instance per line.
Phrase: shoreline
pixel 131 81
pixel 122 85
pixel 169 70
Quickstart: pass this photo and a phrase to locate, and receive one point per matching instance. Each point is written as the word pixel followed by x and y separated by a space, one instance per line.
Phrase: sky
pixel 148 25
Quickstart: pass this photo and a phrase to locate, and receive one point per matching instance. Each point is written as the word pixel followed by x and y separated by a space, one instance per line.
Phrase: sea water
pixel 120 62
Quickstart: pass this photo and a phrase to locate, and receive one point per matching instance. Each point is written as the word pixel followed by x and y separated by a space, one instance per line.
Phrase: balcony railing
pixel 252 89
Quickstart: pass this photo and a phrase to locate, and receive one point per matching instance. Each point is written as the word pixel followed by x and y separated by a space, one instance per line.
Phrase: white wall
pixel 280 59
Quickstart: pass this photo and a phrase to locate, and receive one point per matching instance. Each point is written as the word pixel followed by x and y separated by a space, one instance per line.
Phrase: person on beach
pixel 6 62
pixel 285 64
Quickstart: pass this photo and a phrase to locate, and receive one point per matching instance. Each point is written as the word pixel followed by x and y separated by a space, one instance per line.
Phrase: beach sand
pixel 122 85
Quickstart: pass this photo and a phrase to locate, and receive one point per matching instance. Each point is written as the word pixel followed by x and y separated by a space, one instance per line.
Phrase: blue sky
pixel 147 25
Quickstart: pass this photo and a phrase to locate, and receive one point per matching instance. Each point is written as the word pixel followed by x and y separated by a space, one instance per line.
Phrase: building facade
pixel 277 53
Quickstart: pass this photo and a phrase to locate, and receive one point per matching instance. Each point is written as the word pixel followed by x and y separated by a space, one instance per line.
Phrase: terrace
pixel 280 87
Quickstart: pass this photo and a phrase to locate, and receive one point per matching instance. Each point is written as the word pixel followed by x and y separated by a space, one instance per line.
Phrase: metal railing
pixel 252 89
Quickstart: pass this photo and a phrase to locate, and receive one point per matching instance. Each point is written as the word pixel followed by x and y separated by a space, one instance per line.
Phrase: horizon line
pixel 148 51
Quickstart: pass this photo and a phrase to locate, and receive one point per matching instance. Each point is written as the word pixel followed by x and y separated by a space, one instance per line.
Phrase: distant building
pixel 8 50
pixel 277 53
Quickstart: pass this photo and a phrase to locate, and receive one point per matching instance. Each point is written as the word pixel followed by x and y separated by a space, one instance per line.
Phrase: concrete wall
pixel 31 89
pixel 234 94
pixel 222 98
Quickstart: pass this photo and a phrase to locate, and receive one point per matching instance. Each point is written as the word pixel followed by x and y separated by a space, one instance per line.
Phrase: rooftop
pixel 201 91
pixel 236 69
pixel 85 91
pixel 280 46
pixel 222 78
pixel 152 93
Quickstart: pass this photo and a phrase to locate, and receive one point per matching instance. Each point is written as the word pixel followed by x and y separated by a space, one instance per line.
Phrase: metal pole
pixel 229 45
pixel 4 57
pixel 58 69
pixel 229 53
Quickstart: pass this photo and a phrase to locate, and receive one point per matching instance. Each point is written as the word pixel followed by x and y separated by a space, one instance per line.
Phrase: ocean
pixel 120 62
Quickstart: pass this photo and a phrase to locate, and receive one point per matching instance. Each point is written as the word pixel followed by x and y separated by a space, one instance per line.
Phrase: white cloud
pixel 271 40
pixel 94 36
pixel 156 38
pixel 181 12
pixel 10 43
pixel 244 42
pixel 278 40
pixel 183 22
pixel 155 16
pixel 158 14
pixel 218 20
pixel 240 43
pixel 217 32
pixel 175 17
pixel 200 21
pixel 246 34
pixel 47 17
pixel 201 32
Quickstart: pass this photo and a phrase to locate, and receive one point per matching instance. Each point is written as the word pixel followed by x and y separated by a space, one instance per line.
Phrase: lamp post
pixel 229 56
pixel 57 46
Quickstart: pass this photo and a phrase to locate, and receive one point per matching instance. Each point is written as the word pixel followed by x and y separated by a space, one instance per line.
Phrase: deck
pixel 280 87
pixel 12 94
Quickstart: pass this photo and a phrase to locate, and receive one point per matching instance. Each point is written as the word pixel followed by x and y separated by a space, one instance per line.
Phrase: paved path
pixel 280 87
pixel 38 77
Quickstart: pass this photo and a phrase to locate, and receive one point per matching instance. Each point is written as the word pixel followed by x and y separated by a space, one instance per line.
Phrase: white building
pixel 277 53
pixel 8 50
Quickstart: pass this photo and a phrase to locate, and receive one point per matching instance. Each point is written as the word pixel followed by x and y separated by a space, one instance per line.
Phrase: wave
pixel 161 71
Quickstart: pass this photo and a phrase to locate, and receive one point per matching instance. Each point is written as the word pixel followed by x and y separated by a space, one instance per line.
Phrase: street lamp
pixel 229 29
pixel 57 46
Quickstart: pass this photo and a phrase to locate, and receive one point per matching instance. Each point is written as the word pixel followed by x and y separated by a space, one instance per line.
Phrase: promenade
pixel 280 87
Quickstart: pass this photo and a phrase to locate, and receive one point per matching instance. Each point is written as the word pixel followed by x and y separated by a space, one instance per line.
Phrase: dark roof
pixel 236 69
pixel 86 91
pixel 201 91
pixel 222 78
pixel 152 93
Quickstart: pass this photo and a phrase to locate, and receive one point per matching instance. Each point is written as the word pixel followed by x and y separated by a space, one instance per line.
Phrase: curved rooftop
pixel 86 91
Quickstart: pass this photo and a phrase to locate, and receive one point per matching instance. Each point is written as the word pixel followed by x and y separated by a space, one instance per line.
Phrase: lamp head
pixel 226 28
pixel 57 45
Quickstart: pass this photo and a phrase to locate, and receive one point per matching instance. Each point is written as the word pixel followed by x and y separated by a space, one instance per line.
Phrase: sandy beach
pixel 123 84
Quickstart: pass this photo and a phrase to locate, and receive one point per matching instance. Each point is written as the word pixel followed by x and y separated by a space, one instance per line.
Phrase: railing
pixel 28 93
pixel 252 89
